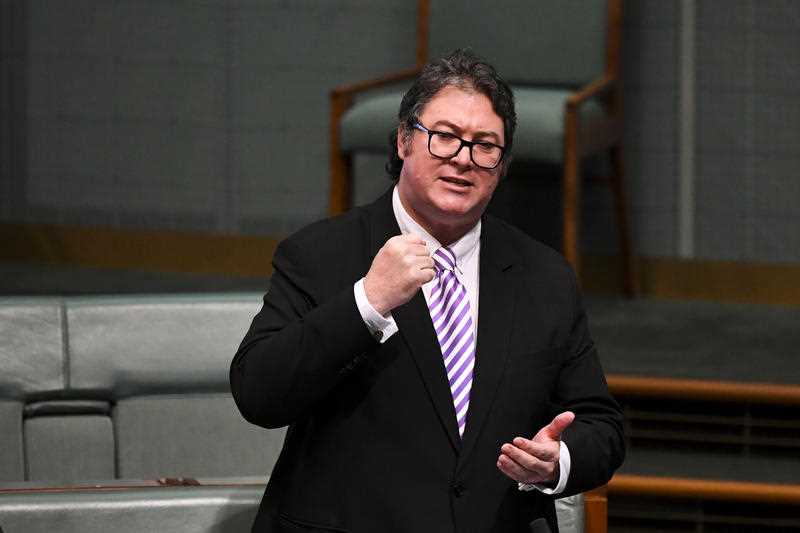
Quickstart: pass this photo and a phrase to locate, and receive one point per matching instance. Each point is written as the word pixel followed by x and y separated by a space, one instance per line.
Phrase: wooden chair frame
pixel 579 140
pixel 595 510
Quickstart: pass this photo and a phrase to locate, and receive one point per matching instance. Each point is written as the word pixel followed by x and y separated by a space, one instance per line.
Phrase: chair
pixel 567 91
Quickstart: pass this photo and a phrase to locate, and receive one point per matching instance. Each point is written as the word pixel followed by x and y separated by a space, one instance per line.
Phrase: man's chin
pixel 458 213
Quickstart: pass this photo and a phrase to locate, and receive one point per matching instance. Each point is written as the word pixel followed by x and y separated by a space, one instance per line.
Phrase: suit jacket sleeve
pixel 301 343
pixel 595 438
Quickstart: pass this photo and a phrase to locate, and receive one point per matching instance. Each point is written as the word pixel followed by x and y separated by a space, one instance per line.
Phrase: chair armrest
pixel 375 83
pixel 600 85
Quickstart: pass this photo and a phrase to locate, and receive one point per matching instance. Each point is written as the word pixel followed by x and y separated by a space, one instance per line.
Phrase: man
pixel 433 363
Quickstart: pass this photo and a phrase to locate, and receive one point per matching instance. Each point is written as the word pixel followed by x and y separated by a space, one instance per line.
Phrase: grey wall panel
pixel 776 186
pixel 723 124
pixel 723 183
pixel 654 231
pixel 722 235
pixel 145 31
pixel 748 130
pixel 720 60
pixel 650 84
pixel 650 123
pixel 776 124
pixel 131 166
pixel 287 71
pixel 776 238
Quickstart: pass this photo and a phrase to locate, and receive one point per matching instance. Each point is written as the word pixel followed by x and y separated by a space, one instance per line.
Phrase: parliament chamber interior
pixel 154 154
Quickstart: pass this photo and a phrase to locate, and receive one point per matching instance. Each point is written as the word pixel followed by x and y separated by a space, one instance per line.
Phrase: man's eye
pixel 485 147
pixel 446 137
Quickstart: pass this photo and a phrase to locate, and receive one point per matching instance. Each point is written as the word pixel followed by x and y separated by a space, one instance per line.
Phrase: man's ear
pixel 402 145
pixel 504 167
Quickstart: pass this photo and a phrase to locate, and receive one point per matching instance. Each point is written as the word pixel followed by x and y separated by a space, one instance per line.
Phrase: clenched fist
pixel 400 268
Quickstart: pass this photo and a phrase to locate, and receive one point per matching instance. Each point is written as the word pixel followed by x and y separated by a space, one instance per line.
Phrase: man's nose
pixel 462 157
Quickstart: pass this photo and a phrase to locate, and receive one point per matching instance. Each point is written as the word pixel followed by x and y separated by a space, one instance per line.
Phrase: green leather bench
pixel 134 387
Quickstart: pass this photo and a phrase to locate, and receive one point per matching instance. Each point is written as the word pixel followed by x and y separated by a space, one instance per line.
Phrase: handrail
pixel 698 389
pixel 684 488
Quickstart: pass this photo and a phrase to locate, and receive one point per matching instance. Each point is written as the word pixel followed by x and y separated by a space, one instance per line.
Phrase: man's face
pixel 449 193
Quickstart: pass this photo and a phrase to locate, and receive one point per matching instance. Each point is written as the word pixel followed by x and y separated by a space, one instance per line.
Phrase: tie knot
pixel 444 258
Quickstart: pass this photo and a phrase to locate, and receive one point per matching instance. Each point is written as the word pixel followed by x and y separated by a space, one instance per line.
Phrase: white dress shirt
pixel 467 252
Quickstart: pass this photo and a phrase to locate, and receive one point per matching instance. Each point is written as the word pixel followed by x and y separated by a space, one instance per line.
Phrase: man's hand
pixel 536 460
pixel 400 268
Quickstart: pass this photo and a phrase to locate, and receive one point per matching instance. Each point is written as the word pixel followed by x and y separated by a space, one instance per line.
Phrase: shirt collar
pixel 463 248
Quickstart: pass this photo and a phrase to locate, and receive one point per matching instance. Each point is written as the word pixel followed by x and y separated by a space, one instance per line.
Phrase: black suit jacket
pixel 372 443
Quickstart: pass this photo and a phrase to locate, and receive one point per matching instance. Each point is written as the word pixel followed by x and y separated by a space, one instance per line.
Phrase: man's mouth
pixel 456 181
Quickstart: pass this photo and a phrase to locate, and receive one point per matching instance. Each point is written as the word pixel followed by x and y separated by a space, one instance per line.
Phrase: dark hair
pixel 464 69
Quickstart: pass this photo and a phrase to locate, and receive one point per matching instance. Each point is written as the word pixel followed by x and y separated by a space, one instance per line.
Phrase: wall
pixel 185 115
pixel 212 116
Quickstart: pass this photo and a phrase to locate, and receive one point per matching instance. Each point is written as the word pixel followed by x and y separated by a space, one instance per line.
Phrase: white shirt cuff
pixel 564 464
pixel 381 327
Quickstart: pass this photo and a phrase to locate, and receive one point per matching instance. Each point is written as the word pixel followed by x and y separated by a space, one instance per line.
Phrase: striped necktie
pixel 452 320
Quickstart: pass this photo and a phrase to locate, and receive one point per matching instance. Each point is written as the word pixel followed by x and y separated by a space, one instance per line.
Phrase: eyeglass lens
pixel 484 155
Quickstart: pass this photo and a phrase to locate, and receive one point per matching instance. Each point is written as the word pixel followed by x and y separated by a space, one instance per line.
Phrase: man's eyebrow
pixel 480 135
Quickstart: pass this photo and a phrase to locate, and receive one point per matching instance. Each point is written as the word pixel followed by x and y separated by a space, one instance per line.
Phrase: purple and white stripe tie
pixel 452 320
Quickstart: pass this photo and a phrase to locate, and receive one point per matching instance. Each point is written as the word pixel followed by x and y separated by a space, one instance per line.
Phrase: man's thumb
pixel 561 422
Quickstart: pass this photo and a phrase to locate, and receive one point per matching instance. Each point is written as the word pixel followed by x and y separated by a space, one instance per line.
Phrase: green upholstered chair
pixel 562 60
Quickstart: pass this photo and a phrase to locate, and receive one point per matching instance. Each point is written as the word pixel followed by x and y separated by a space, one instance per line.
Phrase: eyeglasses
pixel 444 145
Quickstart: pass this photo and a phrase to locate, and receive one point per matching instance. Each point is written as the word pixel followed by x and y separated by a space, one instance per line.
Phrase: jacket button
pixel 459 489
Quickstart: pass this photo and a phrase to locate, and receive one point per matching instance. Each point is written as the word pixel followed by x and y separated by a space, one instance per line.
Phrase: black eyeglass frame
pixel 464 142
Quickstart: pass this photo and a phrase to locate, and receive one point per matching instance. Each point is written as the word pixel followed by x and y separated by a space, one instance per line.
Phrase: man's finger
pixel 513 470
pixel 526 460
pixel 419 249
pixel 412 239
pixel 544 451
pixel 554 429
pixel 517 472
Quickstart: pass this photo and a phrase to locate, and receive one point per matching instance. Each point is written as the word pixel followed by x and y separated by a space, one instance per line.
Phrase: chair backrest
pixel 32 363
pixel 537 42
pixel 164 363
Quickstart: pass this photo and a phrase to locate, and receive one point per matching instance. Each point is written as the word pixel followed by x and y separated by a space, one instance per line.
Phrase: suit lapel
pixel 496 311
pixel 414 322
